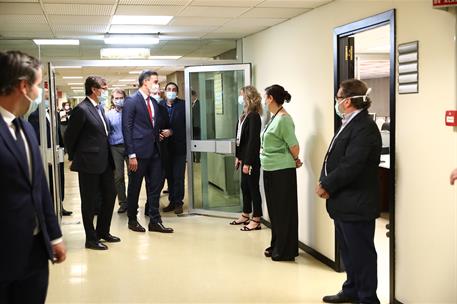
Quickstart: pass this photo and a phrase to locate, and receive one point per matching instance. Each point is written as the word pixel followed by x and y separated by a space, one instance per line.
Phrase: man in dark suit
pixel 143 119
pixel 86 141
pixel 176 147
pixel 34 120
pixel 29 230
pixel 349 182
pixel 196 129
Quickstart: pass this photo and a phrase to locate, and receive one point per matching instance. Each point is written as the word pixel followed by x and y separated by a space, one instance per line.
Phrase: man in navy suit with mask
pixel 29 230
pixel 143 120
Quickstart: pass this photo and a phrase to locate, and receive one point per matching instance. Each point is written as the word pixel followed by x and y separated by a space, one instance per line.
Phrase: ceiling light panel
pixel 82 1
pixel 56 41
pixel 72 77
pixel 124 53
pixel 148 10
pixel 131 39
pixel 204 11
pixel 134 29
pixel 79 9
pixel 274 12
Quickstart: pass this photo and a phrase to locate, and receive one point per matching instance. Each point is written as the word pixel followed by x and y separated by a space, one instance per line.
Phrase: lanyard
pixel 268 124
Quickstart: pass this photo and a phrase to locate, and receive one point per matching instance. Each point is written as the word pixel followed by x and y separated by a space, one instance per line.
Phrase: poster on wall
pixel 444 3
pixel 218 104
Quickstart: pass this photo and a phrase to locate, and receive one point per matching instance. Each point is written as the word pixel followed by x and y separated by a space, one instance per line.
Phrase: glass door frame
pixel 246 67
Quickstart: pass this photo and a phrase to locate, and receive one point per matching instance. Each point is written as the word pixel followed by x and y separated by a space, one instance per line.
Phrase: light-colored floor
pixel 204 261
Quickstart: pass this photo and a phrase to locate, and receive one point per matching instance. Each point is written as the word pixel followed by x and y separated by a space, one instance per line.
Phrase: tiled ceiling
pixel 198 29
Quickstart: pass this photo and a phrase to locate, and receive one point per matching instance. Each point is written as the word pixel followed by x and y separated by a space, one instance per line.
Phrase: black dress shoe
pixel 339 298
pixel 283 259
pixel 178 210
pixel 135 226
pixel 96 245
pixel 268 252
pixel 66 212
pixel 122 208
pixel 110 238
pixel 159 227
pixel 169 208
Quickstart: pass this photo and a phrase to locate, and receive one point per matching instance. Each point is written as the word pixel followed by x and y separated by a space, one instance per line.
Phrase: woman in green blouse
pixel 279 158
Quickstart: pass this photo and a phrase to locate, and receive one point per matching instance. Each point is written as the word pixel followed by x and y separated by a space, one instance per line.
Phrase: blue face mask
pixel 241 100
pixel 34 103
pixel 171 95
pixel 119 103
pixel 102 98
pixel 337 108
pixel 46 104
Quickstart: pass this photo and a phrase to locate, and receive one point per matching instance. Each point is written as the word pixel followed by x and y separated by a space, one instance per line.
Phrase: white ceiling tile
pixel 154 2
pixel 207 11
pixel 249 22
pixel 239 3
pixel 240 29
pixel 20 9
pixel 59 19
pixel 293 3
pixel 148 10
pixel 79 9
pixel 80 28
pixel 274 12
pixel 27 34
pixel 199 21
pixel 224 36
pixel 81 1
pixel 28 1
pixel 179 36
pixel 31 27
pixel 18 19
pixel 143 29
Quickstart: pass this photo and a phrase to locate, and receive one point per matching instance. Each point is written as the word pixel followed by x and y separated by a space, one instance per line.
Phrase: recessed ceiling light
pixel 68 67
pixel 154 20
pixel 127 80
pixel 119 85
pixel 77 88
pixel 165 57
pixel 125 53
pixel 72 77
pixel 132 39
pixel 135 72
pixel 75 83
pixel 56 41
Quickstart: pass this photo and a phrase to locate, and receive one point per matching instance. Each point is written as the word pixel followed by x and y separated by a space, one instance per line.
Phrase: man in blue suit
pixel 29 230
pixel 143 120
pixel 176 147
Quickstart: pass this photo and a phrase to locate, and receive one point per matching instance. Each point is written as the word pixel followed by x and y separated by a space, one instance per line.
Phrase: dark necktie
pixel 20 142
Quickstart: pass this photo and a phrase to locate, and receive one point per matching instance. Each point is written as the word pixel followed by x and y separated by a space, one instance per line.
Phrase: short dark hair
pixel 14 67
pixel 355 87
pixel 193 93
pixel 172 83
pixel 146 74
pixel 93 82
pixel 278 93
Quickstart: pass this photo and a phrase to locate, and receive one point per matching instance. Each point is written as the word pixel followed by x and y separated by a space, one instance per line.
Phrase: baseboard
pixel 312 252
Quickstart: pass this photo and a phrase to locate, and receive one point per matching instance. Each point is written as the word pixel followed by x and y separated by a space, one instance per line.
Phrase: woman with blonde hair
pixel 247 157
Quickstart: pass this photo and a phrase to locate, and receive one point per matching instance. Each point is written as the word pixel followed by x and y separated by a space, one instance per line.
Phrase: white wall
pixel 298 54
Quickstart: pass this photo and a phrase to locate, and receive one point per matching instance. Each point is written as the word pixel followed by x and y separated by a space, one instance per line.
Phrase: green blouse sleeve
pixel 287 131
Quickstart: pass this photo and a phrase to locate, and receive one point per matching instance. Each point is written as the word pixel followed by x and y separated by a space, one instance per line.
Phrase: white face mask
pixel 34 103
pixel 337 107
pixel 156 97
pixel 171 95
pixel 241 100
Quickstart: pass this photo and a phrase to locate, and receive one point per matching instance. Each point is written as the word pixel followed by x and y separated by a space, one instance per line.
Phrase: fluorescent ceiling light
pixel 127 80
pixel 56 41
pixel 68 67
pixel 154 20
pixel 77 88
pixel 72 77
pixel 131 39
pixel 75 83
pixel 165 57
pixel 119 85
pixel 124 53
pixel 135 72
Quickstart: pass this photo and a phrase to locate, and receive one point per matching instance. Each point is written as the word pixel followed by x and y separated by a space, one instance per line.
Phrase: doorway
pixel 365 50
pixel 212 114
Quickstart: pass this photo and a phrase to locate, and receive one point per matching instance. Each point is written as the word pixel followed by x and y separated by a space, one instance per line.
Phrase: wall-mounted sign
pixel 444 3
pixel 408 68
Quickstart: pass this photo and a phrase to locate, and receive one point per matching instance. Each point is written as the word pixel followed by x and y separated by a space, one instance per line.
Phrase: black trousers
pixel 175 177
pixel 151 170
pixel 32 287
pixel 356 243
pixel 282 203
pixel 251 191
pixel 91 187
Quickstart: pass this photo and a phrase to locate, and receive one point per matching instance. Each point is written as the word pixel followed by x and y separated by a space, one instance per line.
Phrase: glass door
pixel 212 114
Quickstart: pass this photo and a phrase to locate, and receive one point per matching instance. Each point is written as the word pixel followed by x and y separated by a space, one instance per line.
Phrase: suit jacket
pixel 176 143
pixel 196 130
pixel 352 167
pixel 140 137
pixel 34 119
pixel 248 150
pixel 23 201
pixel 86 140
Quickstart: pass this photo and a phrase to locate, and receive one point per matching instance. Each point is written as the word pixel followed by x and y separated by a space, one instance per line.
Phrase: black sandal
pixel 241 223
pixel 246 228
